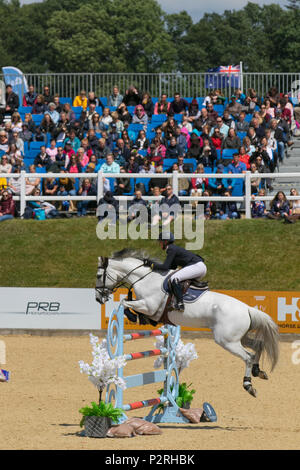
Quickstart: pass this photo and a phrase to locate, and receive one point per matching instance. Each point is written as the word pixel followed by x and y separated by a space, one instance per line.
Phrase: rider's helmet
pixel 166 237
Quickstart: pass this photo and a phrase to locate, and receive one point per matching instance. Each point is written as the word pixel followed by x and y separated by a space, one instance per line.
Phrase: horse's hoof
pixel 263 375
pixel 248 386
pixel 256 372
pixel 252 391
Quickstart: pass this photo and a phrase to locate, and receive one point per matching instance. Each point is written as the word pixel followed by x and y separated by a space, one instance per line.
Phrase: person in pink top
pixel 52 150
pixel 162 106
pixel 82 157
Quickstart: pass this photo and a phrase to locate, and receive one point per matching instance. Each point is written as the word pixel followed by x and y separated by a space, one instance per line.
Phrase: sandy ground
pixel 39 406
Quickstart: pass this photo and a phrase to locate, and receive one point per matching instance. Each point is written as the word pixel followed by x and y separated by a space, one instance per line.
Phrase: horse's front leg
pixel 137 305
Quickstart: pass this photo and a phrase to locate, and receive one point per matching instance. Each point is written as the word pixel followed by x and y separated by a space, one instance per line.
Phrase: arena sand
pixel 39 406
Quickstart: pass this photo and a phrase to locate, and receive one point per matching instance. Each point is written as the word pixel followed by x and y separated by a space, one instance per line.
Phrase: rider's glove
pixel 147 262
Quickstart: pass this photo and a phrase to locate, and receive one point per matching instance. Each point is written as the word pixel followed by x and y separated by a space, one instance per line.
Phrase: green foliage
pixel 138 36
pixel 185 394
pixel 103 409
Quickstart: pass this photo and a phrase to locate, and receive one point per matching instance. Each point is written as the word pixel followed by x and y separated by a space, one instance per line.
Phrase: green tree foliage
pixel 138 36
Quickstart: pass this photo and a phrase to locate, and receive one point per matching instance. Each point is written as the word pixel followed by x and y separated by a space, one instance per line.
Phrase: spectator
pixel 181 137
pixel 60 158
pixel 258 208
pixel 156 153
pixel 123 184
pixel 211 114
pixel 70 115
pixel 95 123
pixel 237 166
pixel 217 138
pixel 249 148
pixel 73 140
pixel 106 119
pixel 221 126
pixel 244 157
pixel 14 184
pixel 168 208
pixel 12 101
pixel 81 100
pixel 115 99
pixel 193 112
pixel 234 107
pixel 294 208
pixel 110 166
pixel 273 96
pixel 30 122
pixel 52 150
pixel 279 207
pixel 50 186
pixel 4 146
pixel 42 160
pixel 255 182
pixel 146 167
pixel 178 105
pixel 5 166
pixel 232 141
pixel 48 98
pixel 169 127
pixel 162 106
pixel 173 149
pixel 200 183
pixel 86 189
pixel 142 142
pixel 210 208
pixel 242 125
pixel 117 122
pixel 195 146
pixel 132 166
pixel 82 157
pixel 228 119
pixel 39 107
pixel 26 135
pixel 219 185
pixel 29 97
pixel 132 96
pixel 228 210
pixel 140 117
pixel 186 125
pixel 108 207
pixel 124 114
pixel 58 105
pixel 148 105
pixel 122 149
pixel 209 154
pixel 159 135
pixel 74 165
pixel 47 126
pixel 91 99
pixel 203 120
pixel 183 183
pixel 7 206
pixel 254 139
pixel 160 183
pixel 53 113
pixel 136 206
pixel 16 122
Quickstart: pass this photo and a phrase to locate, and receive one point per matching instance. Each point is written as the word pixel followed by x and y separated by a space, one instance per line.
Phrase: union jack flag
pixel 224 76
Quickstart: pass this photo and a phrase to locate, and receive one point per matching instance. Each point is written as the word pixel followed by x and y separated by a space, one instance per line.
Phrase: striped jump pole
pixel 170 412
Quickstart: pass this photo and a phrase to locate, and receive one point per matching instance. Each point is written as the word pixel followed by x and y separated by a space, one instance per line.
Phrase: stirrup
pixel 179 306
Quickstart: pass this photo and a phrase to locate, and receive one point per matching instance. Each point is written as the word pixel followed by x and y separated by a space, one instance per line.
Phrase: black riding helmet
pixel 166 238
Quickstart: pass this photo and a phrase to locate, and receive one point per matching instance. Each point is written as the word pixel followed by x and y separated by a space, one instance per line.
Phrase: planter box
pixel 96 426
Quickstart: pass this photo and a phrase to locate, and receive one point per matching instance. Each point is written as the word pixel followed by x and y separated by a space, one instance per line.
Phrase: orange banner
pixel 282 306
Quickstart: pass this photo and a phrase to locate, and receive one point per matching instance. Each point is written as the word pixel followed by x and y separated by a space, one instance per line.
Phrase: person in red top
pixel 7 206
pixel 244 157
pixel 217 139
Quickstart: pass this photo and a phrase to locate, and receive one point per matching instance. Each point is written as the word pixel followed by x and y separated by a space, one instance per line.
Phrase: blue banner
pixel 15 78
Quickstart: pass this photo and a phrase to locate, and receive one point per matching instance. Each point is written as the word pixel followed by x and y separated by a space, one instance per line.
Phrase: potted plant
pixel 98 418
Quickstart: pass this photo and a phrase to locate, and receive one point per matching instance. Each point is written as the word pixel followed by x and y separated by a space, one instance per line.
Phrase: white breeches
pixel 194 271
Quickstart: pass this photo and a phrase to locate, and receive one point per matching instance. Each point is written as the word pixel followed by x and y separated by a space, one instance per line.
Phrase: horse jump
pixel 168 375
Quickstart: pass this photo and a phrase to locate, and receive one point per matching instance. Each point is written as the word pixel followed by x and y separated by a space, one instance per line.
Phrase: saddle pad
pixel 191 295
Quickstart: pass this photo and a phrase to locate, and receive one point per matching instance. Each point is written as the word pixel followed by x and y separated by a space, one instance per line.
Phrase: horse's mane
pixel 131 253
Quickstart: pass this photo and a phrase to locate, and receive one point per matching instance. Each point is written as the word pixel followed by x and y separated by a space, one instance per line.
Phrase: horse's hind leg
pixel 257 346
pixel 237 349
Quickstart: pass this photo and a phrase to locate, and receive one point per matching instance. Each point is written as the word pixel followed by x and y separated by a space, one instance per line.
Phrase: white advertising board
pixel 44 308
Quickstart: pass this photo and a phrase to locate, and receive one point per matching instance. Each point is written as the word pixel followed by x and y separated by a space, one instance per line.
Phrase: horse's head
pixel 103 283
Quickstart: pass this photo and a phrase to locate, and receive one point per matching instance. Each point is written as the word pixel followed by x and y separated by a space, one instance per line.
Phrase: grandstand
pixel 189 114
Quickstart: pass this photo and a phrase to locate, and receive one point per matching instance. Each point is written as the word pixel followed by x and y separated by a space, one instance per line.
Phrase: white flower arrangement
pixel 185 353
pixel 103 370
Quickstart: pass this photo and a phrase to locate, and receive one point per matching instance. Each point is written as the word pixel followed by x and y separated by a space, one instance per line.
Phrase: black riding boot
pixel 177 290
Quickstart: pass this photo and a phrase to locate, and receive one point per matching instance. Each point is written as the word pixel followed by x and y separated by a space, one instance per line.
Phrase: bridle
pixel 106 292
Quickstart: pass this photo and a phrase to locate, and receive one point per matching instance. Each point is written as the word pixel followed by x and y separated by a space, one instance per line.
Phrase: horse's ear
pixel 102 261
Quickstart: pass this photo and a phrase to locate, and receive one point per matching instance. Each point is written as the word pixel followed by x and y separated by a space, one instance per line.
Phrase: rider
pixel 192 265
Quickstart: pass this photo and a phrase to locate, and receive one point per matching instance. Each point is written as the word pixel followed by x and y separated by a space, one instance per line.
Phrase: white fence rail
pixel 173 179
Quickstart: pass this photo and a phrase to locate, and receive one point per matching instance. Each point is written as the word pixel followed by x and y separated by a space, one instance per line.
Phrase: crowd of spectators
pixel 132 132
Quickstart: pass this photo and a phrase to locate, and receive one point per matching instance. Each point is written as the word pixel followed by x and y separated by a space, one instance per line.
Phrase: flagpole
pixel 241 77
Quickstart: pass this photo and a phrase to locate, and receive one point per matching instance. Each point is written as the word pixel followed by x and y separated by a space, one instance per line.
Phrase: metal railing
pixel 174 177
pixel 187 84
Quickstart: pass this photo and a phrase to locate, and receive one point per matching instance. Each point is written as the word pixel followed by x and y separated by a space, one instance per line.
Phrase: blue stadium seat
pixel 40 170
pixel 143 152
pixel 32 153
pixel 131 192
pixel 192 161
pixel 178 117
pixel 248 117
pixel 103 100
pixel 228 153
pixel 219 108
pixel 158 118
pixel 24 109
pixel 218 154
pixel 241 135
pixel 135 127
pixel 145 182
pixel 112 108
pixel 131 109
pixel 64 100
pixel 77 110
pixel 36 145
pixel 168 162
pixel 237 187
pixel 208 169
pixel 37 118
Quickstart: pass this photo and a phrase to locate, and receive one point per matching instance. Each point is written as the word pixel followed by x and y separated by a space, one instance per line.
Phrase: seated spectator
pixel 110 166
pixel 47 126
pixel 118 158
pixel 60 158
pixel 193 112
pixel 146 167
pixel 74 165
pixel 48 98
pixel 279 207
pixel 156 153
pixel 29 97
pixel 15 156
pixel 82 157
pixel 200 183
pixel 168 208
pixel 140 117
pixel 184 166
pixel 242 125
pixel 39 106
pixel 42 160
pixel 7 206
pixel 16 122
pixel 217 139
pixel 26 135
pixel 209 154
pixel 69 187
pixel 244 157
pixel 160 136
pixel 221 126
pixel 132 97
pixel 234 107
pixel 86 189
pixel 210 207
pixel 124 114
pixel 169 127
pixel 147 104
pixel 186 125
pixel 106 119
pixel 181 137
pixel 72 140
pixel 91 99
pixel 162 106
pixel 173 149
pixel 64 205
pixel 219 185
pixel 228 119
pixel 132 166
pixel 81 100
pixel 258 208
pixel 294 208
pixel 183 183
pixel 255 182
pixel 258 128
pixel 30 122
pixel 236 166
pixel 67 153
pixel 142 142
pixel 123 184
pixel 50 186
pixel 211 114
pixel 128 136
pixel 254 139
pixel 115 99
pixel 4 145
pixel 232 141
pixel 93 141
pixel 195 146
pixel 160 183
pixel 117 122
pixel 58 105
pixel 135 207
pixel 14 184
pixel 249 148
pixel 70 115
pixel 178 105
pixel 52 150
pixel 54 115
pixel 227 210
pixel 273 96
pixel 12 101
pixel 203 120
pixel 122 149
pixel 112 135
pixel 108 207
pixel 5 166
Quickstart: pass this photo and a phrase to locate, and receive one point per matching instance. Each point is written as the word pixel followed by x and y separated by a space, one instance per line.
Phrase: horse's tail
pixel 266 334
